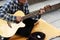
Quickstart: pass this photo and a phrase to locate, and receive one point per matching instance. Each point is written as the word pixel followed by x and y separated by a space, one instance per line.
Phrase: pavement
pixel 52 17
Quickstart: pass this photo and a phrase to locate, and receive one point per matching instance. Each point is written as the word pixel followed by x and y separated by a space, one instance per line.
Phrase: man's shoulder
pixel 12 1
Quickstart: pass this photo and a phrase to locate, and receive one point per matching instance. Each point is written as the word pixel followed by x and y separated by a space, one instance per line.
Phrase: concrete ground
pixel 52 17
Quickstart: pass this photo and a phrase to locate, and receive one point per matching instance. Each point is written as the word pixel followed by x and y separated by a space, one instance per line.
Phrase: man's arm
pixel 26 11
pixel 6 9
pixel 7 17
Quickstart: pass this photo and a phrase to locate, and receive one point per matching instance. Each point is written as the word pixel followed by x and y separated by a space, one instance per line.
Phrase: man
pixel 14 5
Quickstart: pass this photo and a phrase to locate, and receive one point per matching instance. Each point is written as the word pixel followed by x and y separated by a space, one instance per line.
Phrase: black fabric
pixel 0 6
pixel 27 29
pixel 6 38
pixel 34 36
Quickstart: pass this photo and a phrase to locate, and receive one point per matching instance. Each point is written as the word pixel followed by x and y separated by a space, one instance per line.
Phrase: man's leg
pixel 27 29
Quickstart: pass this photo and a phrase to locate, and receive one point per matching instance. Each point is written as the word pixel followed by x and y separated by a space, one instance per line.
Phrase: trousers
pixel 29 24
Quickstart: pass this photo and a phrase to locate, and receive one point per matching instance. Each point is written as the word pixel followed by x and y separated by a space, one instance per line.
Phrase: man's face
pixel 22 1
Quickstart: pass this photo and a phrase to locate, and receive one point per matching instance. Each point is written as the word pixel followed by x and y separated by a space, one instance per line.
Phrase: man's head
pixel 22 1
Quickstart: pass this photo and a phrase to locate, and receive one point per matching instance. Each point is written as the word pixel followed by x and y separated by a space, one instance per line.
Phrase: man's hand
pixel 46 8
pixel 18 19
pixel 41 11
